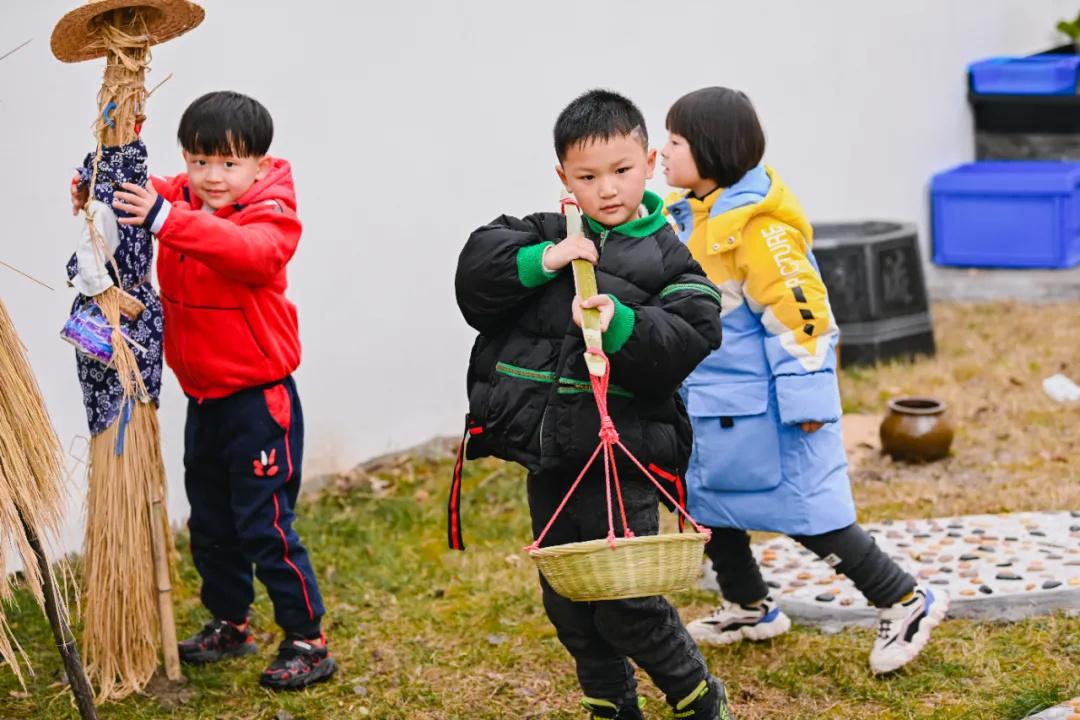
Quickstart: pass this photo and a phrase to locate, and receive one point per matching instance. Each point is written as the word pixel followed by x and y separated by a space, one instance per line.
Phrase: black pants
pixel 853 553
pixel 602 636
pixel 242 457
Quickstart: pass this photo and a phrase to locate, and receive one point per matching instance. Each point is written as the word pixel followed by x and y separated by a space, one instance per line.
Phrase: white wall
pixel 408 124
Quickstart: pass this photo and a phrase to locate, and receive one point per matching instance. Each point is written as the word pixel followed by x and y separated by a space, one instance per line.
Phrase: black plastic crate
pixel 1038 114
pixel 874 274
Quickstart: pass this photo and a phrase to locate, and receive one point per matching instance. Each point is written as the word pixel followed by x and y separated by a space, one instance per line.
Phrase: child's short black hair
pixel 226 123
pixel 597 115
pixel 723 131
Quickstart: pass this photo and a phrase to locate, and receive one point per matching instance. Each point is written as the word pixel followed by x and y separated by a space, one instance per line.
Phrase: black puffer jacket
pixel 530 400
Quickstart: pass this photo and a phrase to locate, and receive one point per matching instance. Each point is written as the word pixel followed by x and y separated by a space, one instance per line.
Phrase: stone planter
pixel 873 272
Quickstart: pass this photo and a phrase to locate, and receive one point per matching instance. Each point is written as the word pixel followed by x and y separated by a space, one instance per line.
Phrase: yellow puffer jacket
pixel 752 465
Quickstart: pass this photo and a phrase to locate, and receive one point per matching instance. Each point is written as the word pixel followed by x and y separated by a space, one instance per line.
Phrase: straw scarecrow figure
pixel 117 325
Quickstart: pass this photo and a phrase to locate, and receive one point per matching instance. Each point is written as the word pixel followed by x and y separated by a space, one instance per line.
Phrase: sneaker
pixel 299 663
pixel 218 640
pixel 607 710
pixel 904 628
pixel 708 701
pixel 730 623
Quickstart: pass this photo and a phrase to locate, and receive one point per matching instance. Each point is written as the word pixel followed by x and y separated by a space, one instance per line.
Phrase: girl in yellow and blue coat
pixel 765 407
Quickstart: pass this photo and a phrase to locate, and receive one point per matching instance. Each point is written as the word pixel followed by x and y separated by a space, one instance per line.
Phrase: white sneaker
pixel 904 628
pixel 730 623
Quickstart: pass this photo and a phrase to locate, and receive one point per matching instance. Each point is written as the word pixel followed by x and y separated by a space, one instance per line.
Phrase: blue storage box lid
pixel 1052 74
pixel 1011 176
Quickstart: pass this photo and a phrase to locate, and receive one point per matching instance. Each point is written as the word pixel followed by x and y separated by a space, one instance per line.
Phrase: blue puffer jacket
pixel 753 466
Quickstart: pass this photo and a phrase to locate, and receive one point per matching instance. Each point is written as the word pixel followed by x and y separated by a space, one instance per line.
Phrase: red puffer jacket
pixel 228 324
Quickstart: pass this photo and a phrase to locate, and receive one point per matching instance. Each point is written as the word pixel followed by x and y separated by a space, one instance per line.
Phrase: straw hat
pixel 74 37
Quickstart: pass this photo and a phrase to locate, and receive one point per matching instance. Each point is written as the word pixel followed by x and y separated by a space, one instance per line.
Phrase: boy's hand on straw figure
pixel 136 201
pixel 603 303
pixel 79 195
pixel 575 247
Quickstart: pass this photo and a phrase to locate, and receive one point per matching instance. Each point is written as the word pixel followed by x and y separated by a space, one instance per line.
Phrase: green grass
pixel 424 633
pixel 421 632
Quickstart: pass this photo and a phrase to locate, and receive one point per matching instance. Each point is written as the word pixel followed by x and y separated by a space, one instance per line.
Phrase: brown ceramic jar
pixel 916 430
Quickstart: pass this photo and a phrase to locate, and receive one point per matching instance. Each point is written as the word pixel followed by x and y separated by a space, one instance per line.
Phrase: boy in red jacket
pixel 227 228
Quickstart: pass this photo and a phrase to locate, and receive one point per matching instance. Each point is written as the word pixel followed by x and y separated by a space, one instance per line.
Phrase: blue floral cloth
pixel 102 394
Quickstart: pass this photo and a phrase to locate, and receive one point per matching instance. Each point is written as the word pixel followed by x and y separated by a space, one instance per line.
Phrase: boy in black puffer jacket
pixel 530 400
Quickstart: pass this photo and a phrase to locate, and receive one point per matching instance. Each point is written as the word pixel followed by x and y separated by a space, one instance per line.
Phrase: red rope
pixel 627 532
pixel 536 543
pixel 609 440
pixel 665 493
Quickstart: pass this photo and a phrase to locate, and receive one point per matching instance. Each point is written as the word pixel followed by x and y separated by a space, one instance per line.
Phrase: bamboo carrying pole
pixel 585 286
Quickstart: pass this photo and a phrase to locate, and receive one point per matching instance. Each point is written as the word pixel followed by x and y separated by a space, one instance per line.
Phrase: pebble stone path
pixel 1000 567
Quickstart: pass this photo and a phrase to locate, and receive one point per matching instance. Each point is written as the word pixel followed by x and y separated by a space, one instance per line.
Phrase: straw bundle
pixel 31 472
pixel 125 523
pixel 120 611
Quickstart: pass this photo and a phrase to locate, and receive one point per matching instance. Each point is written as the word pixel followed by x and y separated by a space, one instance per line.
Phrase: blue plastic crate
pixel 1035 75
pixel 1007 214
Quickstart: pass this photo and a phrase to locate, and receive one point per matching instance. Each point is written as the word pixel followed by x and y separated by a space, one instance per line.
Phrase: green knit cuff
pixel 620 328
pixel 530 265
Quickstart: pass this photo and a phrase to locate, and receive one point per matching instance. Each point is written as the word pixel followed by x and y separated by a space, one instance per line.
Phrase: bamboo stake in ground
pixel 161 541
pixel 585 287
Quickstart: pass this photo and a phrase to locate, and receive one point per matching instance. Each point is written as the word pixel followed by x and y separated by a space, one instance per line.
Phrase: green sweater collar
pixel 639 227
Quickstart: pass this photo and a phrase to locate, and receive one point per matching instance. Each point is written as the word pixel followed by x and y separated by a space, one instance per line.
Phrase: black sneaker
pixel 299 663
pixel 708 701
pixel 607 710
pixel 218 640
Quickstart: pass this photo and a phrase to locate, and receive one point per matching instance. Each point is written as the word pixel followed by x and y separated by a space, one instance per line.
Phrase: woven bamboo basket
pixel 636 567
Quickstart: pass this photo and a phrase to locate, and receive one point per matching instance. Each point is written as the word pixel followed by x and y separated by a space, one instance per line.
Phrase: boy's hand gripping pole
pixel 585 287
